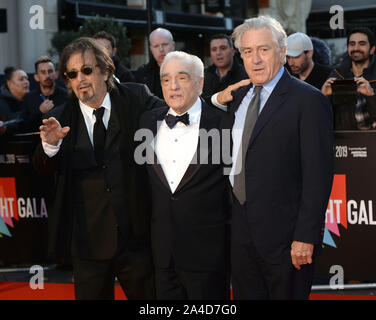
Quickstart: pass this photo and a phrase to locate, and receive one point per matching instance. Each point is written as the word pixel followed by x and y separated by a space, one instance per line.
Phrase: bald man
pixel 161 42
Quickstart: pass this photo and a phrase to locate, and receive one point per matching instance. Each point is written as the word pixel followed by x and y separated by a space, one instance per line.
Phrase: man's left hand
pixel 364 87
pixel 301 253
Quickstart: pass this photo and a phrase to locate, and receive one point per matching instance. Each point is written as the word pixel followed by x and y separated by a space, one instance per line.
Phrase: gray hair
pixel 194 61
pixel 260 22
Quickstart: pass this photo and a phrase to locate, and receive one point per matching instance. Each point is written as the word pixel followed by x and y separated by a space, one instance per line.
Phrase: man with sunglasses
pixel 100 214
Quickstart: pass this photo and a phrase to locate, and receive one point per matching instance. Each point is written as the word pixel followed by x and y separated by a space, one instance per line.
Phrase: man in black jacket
pixel 161 43
pixel 225 70
pixel 299 55
pixel 359 65
pixel 109 41
pixel 190 191
pixel 41 100
pixel 101 210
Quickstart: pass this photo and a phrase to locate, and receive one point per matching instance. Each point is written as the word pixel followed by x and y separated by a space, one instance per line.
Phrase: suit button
pixel 104 167
pixel 108 189
pixel 174 199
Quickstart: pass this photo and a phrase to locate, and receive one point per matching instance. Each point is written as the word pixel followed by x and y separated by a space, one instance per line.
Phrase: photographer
pixel 360 66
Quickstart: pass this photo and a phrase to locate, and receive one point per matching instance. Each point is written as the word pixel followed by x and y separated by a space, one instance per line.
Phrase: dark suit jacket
pixel 214 84
pixel 149 74
pixel 31 115
pixel 191 224
pixel 128 101
pixel 289 167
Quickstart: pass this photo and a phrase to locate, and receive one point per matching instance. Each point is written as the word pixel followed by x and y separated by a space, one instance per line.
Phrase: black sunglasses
pixel 86 70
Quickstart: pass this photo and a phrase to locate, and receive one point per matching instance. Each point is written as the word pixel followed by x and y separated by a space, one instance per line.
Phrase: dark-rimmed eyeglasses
pixel 86 70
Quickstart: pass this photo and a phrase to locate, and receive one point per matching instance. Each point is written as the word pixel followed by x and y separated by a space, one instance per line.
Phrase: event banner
pixel 25 197
pixel 350 226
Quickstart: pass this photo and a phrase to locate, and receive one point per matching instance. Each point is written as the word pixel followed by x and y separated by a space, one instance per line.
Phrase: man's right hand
pixel 51 131
pixel 225 96
pixel 326 88
pixel 46 106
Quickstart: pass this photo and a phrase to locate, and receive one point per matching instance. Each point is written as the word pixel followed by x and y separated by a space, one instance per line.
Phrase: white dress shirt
pixel 89 118
pixel 176 147
pixel 240 114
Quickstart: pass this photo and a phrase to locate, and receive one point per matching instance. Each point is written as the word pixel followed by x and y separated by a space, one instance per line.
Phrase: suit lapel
pixel 274 102
pixel 70 117
pixel 207 122
pixel 155 122
pixel 238 98
pixel 113 128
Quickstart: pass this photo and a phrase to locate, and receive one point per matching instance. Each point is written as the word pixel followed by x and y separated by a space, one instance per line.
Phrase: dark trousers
pixel 172 283
pixel 94 279
pixel 255 278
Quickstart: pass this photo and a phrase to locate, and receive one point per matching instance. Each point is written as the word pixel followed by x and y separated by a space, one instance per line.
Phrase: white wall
pixel 292 14
pixel 22 45
pixel 8 41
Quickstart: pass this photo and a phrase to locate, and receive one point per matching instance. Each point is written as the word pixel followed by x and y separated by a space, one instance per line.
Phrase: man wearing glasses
pixel 190 193
pixel 100 216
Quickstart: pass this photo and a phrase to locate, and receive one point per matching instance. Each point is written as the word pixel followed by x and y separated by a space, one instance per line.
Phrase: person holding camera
pixel 359 65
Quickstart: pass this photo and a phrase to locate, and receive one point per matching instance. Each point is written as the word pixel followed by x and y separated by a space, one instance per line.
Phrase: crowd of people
pixel 307 58
pixel 175 228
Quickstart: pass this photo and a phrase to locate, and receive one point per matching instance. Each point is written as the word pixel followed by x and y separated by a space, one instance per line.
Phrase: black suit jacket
pixel 128 101
pixel 191 224
pixel 31 115
pixel 288 168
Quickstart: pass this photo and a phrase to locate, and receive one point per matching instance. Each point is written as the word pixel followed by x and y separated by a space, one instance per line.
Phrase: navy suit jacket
pixel 288 167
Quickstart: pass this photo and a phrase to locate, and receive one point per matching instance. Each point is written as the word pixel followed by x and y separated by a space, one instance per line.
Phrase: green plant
pixel 60 39
pixel 88 29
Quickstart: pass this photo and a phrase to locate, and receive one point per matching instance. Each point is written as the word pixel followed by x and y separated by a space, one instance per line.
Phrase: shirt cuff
pixel 51 150
pixel 215 102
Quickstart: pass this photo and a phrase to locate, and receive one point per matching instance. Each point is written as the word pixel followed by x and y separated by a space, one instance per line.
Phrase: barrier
pixel 25 198
pixel 350 228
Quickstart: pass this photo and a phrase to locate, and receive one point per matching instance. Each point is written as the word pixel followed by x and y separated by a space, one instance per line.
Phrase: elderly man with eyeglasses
pixel 190 225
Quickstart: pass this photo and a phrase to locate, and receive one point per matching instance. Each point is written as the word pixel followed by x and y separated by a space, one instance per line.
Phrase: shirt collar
pixel 194 111
pixel 89 110
pixel 269 87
